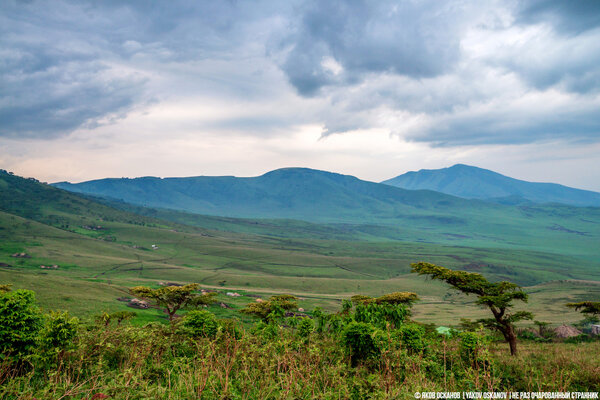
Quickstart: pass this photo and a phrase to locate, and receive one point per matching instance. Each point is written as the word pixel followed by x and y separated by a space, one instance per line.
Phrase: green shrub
pixel 230 328
pixel 20 321
pixel 201 323
pixel 413 337
pixel 59 331
pixel 473 347
pixel 305 328
pixel 358 340
pixel 265 330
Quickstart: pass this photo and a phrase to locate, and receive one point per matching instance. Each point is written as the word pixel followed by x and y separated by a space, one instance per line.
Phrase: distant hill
pixel 526 243
pixel 30 199
pixel 284 193
pixel 478 183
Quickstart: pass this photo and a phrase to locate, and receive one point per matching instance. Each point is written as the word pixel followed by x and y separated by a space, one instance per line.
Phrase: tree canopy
pixel 275 307
pixel 497 296
pixel 586 307
pixel 174 298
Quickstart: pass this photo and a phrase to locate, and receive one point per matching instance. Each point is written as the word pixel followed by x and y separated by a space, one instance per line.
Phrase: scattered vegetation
pixel 498 297
pixel 360 352
pixel 174 298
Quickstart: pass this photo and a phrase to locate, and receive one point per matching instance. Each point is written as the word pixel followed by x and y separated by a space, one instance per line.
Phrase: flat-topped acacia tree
pixel 591 308
pixel 497 296
pixel 174 298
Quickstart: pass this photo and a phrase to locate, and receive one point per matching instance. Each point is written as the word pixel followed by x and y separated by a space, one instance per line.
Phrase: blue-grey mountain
pixel 478 183
pixel 285 193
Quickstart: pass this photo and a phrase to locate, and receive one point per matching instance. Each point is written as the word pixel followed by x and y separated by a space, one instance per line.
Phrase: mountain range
pixel 477 183
pixel 299 193
pixel 304 208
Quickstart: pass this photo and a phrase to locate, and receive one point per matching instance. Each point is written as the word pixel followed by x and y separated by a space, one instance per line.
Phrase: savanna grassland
pixel 102 249
pixel 319 262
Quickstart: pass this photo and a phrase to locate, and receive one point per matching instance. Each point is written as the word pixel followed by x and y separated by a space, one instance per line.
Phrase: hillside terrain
pixel 478 183
pixel 354 209
pixel 102 250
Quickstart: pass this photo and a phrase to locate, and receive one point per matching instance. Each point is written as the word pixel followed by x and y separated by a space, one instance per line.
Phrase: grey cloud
pixel 566 56
pixel 508 125
pixel 70 64
pixel 406 38
pixel 572 17
pixel 53 77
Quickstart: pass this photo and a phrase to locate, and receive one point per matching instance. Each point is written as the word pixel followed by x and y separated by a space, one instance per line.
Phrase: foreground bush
pixel 341 356
pixel 20 321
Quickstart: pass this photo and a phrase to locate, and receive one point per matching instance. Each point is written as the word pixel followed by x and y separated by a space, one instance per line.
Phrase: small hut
pixel 566 331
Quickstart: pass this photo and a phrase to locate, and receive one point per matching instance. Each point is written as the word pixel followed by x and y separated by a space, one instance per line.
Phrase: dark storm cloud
pixel 364 64
pixel 494 127
pixel 416 39
pixel 71 64
pixel 569 55
pixel 572 17
pixel 56 73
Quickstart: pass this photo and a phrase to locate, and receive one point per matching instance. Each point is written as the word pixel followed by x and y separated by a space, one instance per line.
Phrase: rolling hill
pixel 298 193
pixel 104 248
pixel 477 183
pixel 360 210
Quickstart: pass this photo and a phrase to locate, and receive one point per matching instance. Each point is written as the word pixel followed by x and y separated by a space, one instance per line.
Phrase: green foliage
pixel 174 298
pixel 472 346
pixel 586 307
pixel 5 288
pixel 159 362
pixel 357 338
pixel 272 309
pixel 469 326
pixel 59 330
pixel 305 328
pixel 407 298
pixel 321 318
pixel 269 331
pixel 20 321
pixel 413 337
pixel 119 316
pixel 201 323
pixel 361 299
pixel 497 296
pixel 230 327
pixel 381 315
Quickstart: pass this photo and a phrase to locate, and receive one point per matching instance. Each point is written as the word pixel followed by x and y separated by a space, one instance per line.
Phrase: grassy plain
pixel 102 250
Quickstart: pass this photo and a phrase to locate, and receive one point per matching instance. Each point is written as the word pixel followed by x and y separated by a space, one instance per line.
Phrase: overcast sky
pixel 368 88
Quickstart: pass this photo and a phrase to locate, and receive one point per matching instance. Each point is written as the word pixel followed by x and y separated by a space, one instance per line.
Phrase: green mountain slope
pixel 260 257
pixel 477 183
pixel 285 193
pixel 361 210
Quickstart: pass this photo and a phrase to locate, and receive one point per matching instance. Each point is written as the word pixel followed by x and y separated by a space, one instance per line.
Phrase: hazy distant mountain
pixel 284 193
pixel 478 183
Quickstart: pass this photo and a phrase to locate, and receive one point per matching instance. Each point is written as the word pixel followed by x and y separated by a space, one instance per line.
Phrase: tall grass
pixel 162 362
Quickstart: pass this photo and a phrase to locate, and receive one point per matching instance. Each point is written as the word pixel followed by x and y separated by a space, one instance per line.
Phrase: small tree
pixel 406 298
pixel 273 308
pixel 119 316
pixel 58 332
pixel 388 310
pixel 201 323
pixel 358 339
pixel 174 298
pixel 542 327
pixel 20 321
pixel 591 310
pixel 497 296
